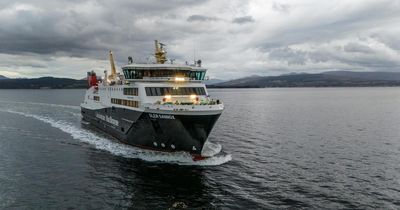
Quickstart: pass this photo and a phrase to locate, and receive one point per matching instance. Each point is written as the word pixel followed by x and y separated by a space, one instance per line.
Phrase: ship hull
pixel 150 130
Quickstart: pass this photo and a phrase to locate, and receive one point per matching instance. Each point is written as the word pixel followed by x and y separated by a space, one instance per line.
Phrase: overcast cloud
pixel 66 38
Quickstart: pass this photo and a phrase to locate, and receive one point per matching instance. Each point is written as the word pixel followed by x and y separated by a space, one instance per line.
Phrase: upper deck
pixel 163 72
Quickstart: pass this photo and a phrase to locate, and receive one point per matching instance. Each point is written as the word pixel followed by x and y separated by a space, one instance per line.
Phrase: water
pixel 285 148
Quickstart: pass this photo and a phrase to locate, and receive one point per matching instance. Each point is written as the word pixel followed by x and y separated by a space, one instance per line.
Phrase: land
pixel 325 79
pixel 3 77
pixel 41 83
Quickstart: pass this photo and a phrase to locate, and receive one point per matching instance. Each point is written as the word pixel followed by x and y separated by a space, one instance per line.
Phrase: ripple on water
pixel 104 143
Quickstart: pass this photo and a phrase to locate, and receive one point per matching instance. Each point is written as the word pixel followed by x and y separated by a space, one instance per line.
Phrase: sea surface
pixel 297 148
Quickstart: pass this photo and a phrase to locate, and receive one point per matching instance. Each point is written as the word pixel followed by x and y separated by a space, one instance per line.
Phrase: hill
pixel 391 76
pixel 42 83
pixel 326 79
pixel 3 77
pixel 213 81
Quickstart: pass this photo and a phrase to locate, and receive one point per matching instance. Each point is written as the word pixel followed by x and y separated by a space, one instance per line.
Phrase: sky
pixel 233 38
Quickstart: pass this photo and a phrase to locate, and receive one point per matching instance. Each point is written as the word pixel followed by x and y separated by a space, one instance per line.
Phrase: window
pixel 124 102
pixel 148 93
pixel 197 75
pixel 158 91
pixel 133 74
pixel 96 98
pixel 131 91
pixel 161 91
pixel 139 74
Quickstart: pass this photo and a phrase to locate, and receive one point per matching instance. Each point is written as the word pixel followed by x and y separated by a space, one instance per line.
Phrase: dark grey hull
pixel 162 132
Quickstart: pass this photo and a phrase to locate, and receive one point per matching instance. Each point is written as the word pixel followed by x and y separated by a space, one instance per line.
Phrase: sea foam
pixel 124 150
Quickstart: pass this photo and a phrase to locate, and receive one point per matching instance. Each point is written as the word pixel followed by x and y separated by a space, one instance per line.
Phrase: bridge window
pixel 161 91
pixel 133 74
pixel 139 74
pixel 197 75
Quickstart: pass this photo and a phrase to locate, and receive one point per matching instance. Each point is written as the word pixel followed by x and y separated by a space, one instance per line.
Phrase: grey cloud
pixel 319 56
pixel 355 47
pixel 295 41
pixel 324 30
pixel 367 60
pixel 50 32
pixel 61 28
pixel 22 63
pixel 291 56
pixel 155 6
pixel 391 40
pixel 280 7
pixel 201 18
pixel 243 20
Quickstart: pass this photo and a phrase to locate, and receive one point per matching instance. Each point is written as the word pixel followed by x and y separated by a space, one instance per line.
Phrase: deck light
pixel 167 96
pixel 179 79
pixel 193 96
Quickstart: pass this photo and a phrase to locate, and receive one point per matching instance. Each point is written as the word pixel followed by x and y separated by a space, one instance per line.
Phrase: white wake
pixel 123 150
pixel 44 104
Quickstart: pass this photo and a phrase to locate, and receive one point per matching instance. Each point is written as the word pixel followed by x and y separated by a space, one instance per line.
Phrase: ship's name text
pixel 162 116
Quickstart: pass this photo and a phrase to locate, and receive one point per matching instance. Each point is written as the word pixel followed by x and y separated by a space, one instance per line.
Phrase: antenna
pixel 194 53
pixel 162 45
pixel 198 63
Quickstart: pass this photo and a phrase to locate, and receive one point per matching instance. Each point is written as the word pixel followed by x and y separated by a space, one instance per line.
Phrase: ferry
pixel 158 106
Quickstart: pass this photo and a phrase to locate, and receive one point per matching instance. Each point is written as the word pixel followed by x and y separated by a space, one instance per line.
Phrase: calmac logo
pixel 108 119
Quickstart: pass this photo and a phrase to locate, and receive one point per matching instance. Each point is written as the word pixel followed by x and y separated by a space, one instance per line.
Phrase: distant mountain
pixel 326 79
pixel 213 81
pixel 391 76
pixel 242 82
pixel 42 83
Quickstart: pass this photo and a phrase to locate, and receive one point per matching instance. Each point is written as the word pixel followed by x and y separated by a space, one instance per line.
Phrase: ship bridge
pixel 163 72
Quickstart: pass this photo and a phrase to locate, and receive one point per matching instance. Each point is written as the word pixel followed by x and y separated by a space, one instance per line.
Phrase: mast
pixel 160 53
pixel 113 70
